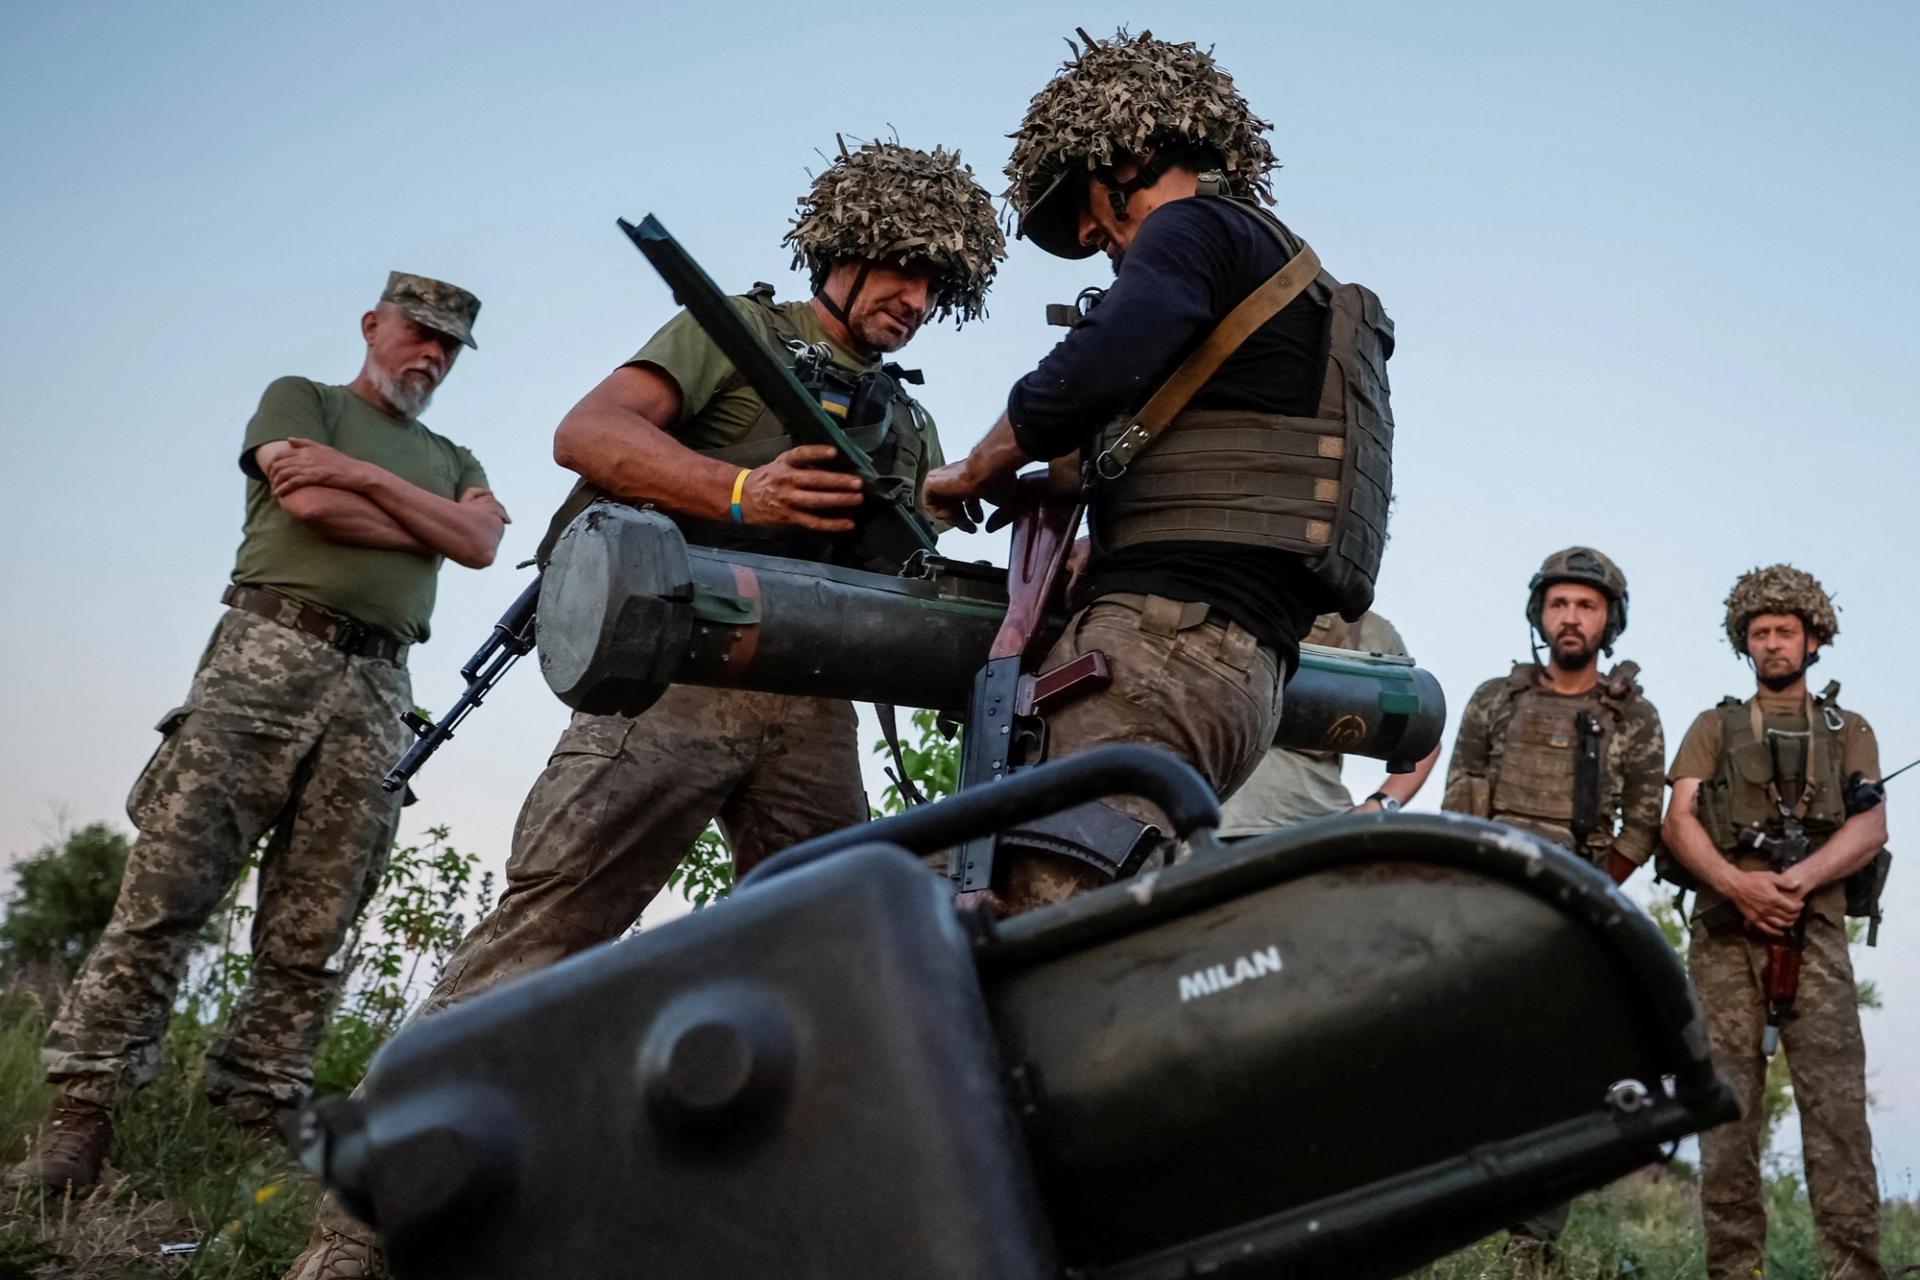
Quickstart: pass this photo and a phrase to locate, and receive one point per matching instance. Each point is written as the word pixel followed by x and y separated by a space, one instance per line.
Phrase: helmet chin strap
pixel 844 312
pixel 1120 190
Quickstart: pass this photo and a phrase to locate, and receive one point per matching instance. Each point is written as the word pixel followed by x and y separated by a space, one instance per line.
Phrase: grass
pixel 178 1173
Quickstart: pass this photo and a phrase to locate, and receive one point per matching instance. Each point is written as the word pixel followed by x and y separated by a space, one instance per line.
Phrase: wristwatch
pixel 1387 803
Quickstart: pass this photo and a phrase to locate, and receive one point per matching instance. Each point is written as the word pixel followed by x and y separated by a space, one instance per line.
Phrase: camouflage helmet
pixel 1131 95
pixel 1780 588
pixel 1581 564
pixel 886 201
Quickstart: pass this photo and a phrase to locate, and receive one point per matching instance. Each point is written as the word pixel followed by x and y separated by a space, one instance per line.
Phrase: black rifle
pixel 771 377
pixel 1780 978
pixel 510 640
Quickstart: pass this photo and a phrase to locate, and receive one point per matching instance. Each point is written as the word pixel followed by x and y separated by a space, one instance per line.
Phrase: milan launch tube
pixel 628 608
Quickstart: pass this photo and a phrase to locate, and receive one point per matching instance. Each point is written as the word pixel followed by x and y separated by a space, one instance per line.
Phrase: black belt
pixel 336 629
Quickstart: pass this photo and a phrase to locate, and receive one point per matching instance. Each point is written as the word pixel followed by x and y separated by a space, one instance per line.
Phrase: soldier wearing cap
pixel 294 713
pixel 1229 398
pixel 1564 752
pixel 891 236
pixel 1749 774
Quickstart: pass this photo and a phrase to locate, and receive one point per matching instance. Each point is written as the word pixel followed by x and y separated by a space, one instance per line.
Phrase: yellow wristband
pixel 739 483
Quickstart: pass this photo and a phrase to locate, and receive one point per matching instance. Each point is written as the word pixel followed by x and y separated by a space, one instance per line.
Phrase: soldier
pixel 1290 787
pixel 1747 775
pixel 891 236
pixel 294 712
pixel 1214 550
pixel 1565 754
pixel 1558 750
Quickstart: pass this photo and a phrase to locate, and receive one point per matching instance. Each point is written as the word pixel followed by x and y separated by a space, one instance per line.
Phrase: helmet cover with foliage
pixel 888 202
pixel 1128 96
pixel 1780 589
pixel 1585 565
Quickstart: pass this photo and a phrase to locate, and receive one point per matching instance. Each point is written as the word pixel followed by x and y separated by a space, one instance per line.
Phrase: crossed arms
pixel 358 504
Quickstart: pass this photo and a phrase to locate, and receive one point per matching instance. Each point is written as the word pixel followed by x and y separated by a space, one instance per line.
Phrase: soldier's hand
pixel 796 489
pixel 308 462
pixel 1764 901
pixel 484 499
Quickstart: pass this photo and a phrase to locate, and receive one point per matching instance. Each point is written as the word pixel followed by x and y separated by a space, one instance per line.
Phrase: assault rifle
pixel 510 640
pixel 1780 977
pixel 772 379
pixel 1011 699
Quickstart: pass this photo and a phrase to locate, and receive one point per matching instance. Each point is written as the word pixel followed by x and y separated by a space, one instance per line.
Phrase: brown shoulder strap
pixel 1254 310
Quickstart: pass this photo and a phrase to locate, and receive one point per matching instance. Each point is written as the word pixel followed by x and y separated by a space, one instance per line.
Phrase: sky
pixel 1650 266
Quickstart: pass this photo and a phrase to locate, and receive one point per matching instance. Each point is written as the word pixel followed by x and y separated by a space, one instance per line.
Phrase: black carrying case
pixel 1340 1050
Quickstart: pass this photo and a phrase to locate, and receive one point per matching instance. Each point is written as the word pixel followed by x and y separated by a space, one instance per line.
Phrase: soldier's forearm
pixel 463 532
pixel 1846 851
pixel 350 519
pixel 1694 848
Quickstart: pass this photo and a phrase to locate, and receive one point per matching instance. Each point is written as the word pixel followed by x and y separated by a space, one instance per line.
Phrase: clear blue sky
pixel 1652 268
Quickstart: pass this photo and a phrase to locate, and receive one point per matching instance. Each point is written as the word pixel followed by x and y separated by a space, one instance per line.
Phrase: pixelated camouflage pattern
pixel 885 201
pixel 279 731
pixel 434 303
pixel 1634 768
pixel 1827 1061
pixel 1782 589
pixel 1204 690
pixel 1126 96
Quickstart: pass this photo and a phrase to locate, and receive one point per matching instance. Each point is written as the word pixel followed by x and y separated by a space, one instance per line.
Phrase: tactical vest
pixel 1534 738
pixel 896 442
pixel 1317 487
pixel 1744 793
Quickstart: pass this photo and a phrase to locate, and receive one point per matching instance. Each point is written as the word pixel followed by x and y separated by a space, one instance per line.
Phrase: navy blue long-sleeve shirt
pixel 1191 262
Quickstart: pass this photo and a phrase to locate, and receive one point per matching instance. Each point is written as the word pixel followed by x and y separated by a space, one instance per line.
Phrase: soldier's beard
pixel 1574 659
pixel 408 391
pixel 1781 681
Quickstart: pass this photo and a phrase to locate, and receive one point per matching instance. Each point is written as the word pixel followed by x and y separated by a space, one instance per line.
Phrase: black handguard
pixel 510 640
pixel 769 375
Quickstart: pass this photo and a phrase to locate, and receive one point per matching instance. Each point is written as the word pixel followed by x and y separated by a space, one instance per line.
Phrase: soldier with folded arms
pixel 294 713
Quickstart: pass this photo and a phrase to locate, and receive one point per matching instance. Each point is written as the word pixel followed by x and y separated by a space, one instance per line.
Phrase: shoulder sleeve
pixel 1642 784
pixel 931 454
pixel 1467 770
pixel 472 474
pixel 1699 750
pixel 1860 753
pixel 1165 299
pixel 289 407
pixel 683 351
pixel 1377 635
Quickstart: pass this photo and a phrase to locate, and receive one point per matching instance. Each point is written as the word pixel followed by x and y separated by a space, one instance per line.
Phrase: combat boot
pixel 70 1148
pixel 334 1255
pixel 259 1118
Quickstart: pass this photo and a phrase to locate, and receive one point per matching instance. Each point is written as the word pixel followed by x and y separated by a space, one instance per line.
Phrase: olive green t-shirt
pixel 1699 752
pixel 390 591
pixel 716 406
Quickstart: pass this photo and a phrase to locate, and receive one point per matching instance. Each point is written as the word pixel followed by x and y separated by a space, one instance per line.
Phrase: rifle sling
pixel 1254 310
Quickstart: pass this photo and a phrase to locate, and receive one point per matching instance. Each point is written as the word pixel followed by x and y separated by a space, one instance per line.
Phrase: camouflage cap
pixel 1780 588
pixel 1127 96
pixel 434 303
pixel 886 201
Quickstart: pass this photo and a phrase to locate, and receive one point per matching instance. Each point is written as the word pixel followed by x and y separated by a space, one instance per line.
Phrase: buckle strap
pixel 1254 310
pixel 346 634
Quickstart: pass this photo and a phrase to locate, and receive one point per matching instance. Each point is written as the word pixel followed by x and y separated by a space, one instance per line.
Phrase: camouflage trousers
pixel 622 800
pixel 1828 1063
pixel 279 731
pixel 1200 686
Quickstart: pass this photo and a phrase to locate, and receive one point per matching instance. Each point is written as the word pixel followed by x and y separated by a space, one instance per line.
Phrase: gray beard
pixel 407 393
